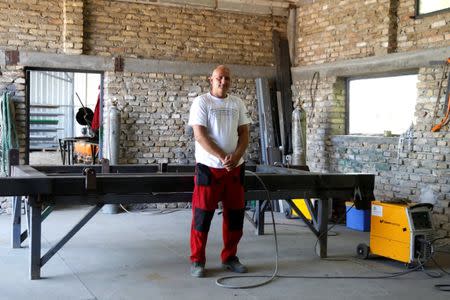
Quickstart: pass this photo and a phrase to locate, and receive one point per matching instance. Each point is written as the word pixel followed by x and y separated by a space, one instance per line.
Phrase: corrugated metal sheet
pixel 51 108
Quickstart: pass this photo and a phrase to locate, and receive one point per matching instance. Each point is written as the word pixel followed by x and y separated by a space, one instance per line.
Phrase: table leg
pixel 35 240
pixel 16 221
pixel 322 227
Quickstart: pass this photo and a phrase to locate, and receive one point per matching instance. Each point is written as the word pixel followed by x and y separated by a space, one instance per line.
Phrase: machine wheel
pixel 288 213
pixel 362 251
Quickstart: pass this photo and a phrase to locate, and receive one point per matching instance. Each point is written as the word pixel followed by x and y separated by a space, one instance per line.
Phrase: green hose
pixel 8 132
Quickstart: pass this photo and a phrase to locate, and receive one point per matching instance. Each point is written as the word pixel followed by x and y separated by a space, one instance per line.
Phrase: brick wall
pixel 330 30
pixel 138 30
pixel 424 32
pixel 347 29
pixel 154 112
pixel 112 28
pixel 72 33
pixel 415 170
pixel 325 115
pixel 107 28
pixel 31 25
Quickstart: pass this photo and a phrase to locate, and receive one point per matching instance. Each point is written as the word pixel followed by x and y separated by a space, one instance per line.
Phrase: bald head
pixel 220 81
pixel 219 69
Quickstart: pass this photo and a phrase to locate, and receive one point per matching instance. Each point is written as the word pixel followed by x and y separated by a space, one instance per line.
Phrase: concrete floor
pixel 45 157
pixel 145 256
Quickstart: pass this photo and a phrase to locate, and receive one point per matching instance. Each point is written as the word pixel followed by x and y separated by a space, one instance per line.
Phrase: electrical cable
pixel 313 93
pixel 157 211
pixel 440 85
pixel 332 226
pixel 441 287
pixel 275 274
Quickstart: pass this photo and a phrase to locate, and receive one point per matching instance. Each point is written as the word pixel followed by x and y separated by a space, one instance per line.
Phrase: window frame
pixel 418 15
pixel 370 76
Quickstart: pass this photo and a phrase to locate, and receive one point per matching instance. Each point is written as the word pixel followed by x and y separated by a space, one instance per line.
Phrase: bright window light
pixel 429 6
pixel 377 105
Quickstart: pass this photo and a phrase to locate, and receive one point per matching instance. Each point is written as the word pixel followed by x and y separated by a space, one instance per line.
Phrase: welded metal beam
pixel 47 185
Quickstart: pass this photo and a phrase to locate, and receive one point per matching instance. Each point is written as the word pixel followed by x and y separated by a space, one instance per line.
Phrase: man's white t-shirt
pixel 221 117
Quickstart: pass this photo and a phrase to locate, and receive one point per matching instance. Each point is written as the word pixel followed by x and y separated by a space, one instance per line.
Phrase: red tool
pixel 446 118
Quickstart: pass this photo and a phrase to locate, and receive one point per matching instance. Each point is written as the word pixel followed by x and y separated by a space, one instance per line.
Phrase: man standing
pixel 221 130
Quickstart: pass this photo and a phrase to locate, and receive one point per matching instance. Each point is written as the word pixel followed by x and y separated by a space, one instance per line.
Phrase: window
pixel 376 105
pixel 430 6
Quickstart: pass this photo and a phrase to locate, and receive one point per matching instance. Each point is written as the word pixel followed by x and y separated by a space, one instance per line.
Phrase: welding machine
pixel 400 231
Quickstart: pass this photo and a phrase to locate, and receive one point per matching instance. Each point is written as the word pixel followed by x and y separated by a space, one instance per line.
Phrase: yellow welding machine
pixel 400 231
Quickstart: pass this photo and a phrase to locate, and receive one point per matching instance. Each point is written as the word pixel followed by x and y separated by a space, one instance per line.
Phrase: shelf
pixel 44 120
pixel 44 114
pixel 44 105
pixel 46 129
pixel 41 138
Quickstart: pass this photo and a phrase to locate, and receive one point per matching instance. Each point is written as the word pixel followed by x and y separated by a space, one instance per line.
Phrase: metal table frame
pixel 46 186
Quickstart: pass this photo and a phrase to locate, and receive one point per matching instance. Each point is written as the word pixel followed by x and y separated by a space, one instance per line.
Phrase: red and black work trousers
pixel 211 186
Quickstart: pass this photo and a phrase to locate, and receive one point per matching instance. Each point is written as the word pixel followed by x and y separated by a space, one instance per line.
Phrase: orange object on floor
pixel 85 152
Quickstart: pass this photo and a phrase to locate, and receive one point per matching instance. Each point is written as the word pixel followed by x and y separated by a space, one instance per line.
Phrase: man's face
pixel 220 82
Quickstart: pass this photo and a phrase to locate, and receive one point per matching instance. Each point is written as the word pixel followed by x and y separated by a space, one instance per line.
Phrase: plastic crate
pixel 357 219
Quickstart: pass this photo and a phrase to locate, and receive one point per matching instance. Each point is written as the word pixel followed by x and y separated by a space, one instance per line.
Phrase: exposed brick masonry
pixel 335 30
pixel 424 32
pixel 137 30
pixel 155 109
pixel 331 30
pixel 31 24
pixel 402 171
pixel 73 26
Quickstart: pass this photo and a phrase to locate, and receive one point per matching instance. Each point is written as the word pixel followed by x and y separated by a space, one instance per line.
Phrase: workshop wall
pixel 162 32
pixel 32 25
pixel 423 32
pixel 153 104
pixel 155 111
pixel 330 30
pixel 416 169
pixel 333 31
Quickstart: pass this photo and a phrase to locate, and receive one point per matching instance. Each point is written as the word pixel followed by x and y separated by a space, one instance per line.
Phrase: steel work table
pixel 45 186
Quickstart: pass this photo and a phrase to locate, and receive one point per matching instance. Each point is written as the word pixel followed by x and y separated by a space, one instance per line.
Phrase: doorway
pixel 61 108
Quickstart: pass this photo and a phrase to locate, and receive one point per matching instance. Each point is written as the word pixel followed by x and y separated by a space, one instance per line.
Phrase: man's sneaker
pixel 233 265
pixel 198 269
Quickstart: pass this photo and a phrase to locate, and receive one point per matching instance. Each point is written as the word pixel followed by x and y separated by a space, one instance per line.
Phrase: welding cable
pixel 440 267
pixel 220 280
pixel 440 287
pixel 431 274
pixel 330 233
pixel 157 211
pixel 275 274
pixel 329 230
